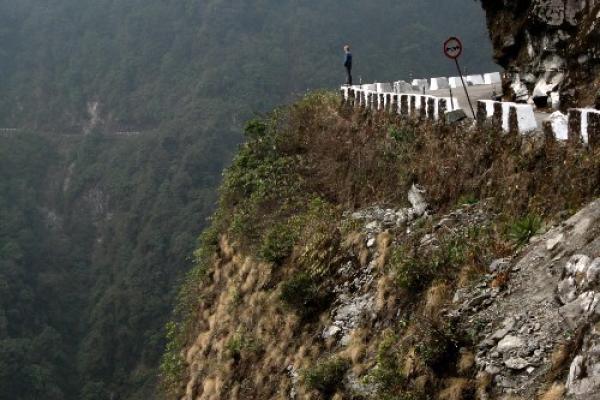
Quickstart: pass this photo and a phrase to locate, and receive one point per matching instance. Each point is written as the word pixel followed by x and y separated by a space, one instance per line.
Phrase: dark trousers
pixel 349 76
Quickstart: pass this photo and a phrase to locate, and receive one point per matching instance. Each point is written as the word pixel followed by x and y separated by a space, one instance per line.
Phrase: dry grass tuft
pixel 422 383
pixel 560 357
pixel 435 299
pixel 355 351
pixel 455 389
pixel 466 362
pixel 501 280
pixel 227 250
pixel 384 240
pixel 555 392
pixel 465 276
pixel 483 383
pixel 363 257
pixel 384 298
pixel 353 240
pixel 411 361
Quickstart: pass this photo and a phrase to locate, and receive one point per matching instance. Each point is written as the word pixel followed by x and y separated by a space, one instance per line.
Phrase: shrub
pixel 172 366
pixel 416 268
pixel 255 129
pixel 240 343
pixel 386 375
pixel 521 230
pixel 278 243
pixel 401 134
pixel 305 295
pixel 410 271
pixel 467 199
pixel 327 376
pixel 439 347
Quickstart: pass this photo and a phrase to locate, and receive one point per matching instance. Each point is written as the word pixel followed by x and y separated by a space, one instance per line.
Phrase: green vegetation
pixel 92 260
pixel 327 376
pixel 172 365
pixel 468 199
pixel 386 375
pixel 305 295
pixel 415 270
pixel 438 346
pixel 523 229
pixel 241 343
pixel 278 243
pixel 34 315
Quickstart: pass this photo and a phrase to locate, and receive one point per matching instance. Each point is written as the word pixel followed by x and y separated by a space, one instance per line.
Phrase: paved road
pixel 479 92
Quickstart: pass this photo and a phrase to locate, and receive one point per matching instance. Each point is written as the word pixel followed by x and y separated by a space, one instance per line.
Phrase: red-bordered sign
pixel 453 48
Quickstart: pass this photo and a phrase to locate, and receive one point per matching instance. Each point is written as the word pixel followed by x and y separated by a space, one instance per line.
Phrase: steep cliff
pixel 355 255
pixel 549 48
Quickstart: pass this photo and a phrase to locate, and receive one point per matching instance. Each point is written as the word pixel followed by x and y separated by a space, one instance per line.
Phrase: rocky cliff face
pixel 331 275
pixel 549 48
pixel 544 317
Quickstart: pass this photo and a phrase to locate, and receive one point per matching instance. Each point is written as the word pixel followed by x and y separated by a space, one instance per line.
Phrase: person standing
pixel 348 65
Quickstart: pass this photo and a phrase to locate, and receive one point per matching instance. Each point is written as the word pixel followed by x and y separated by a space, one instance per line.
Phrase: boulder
pixel 455 116
pixel 510 342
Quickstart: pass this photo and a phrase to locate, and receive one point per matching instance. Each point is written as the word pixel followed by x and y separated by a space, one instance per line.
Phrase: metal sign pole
pixel 453 48
pixel 464 86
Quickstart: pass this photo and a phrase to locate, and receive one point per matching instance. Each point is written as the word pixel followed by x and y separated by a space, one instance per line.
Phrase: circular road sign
pixel 453 48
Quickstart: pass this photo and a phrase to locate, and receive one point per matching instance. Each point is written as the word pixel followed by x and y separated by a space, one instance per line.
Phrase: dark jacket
pixel 348 61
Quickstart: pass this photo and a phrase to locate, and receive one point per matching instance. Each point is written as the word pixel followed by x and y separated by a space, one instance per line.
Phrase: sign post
pixel 453 49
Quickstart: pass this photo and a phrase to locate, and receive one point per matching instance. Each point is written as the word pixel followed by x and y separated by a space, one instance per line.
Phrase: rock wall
pixel 549 48
pixel 545 316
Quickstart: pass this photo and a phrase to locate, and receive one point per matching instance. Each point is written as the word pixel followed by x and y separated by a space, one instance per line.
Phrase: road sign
pixel 453 48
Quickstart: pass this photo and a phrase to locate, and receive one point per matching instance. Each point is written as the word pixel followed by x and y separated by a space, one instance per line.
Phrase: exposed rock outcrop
pixel 549 48
pixel 550 302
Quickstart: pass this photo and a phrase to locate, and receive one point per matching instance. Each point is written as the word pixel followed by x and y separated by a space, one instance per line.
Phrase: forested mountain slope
pixel 96 229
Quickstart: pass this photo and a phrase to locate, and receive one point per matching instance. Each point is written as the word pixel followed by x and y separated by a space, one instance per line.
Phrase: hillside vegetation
pixel 98 229
pixel 317 278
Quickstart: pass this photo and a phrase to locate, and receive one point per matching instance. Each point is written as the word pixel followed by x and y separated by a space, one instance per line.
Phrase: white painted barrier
pixel 420 84
pixel 581 126
pixel 371 86
pixel 454 82
pixel 523 113
pixel 384 87
pixel 492 78
pixel 345 90
pixel 439 83
pixel 584 126
pixel 525 118
pixel 402 87
pixel 474 80
pixel 489 107
pixel 505 114
pixel 559 124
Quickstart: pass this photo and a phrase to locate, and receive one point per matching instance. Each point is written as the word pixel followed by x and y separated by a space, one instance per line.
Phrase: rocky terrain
pixel 549 48
pixel 547 308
